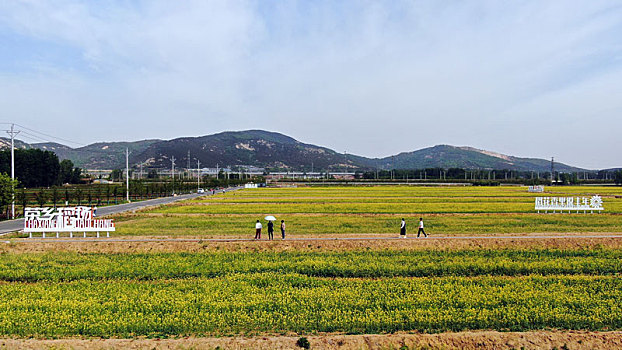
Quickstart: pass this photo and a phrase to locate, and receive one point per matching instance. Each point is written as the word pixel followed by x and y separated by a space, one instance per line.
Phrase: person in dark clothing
pixel 421 228
pixel 403 228
pixel 270 230
pixel 283 229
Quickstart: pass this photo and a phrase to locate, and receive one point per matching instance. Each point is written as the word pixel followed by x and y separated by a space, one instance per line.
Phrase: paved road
pixel 362 238
pixel 18 224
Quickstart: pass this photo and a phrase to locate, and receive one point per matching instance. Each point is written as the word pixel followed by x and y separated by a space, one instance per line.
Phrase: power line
pixel 30 138
pixel 48 135
pixel 34 137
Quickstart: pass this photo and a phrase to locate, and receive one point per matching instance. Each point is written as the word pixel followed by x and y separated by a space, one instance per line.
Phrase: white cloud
pixel 370 78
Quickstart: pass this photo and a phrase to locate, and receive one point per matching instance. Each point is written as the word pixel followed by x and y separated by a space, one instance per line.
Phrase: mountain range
pixel 274 151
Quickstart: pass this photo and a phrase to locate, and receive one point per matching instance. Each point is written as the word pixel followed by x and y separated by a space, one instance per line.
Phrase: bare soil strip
pixel 462 340
pixel 192 244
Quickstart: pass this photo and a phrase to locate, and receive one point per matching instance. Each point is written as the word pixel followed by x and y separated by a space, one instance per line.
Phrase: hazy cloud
pixel 525 78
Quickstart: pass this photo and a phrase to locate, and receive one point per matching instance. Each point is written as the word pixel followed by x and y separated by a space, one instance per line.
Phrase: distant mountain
pixel 101 155
pixel 6 143
pixel 62 151
pixel 276 151
pixel 253 147
pixel 445 156
pixel 107 155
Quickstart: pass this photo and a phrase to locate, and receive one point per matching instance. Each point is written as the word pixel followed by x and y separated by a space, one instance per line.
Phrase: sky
pixel 373 78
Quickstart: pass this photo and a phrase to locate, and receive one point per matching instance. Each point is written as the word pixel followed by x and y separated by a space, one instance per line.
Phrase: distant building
pixel 342 176
pixel 299 175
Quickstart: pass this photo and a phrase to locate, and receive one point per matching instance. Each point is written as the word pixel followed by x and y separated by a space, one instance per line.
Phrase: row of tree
pixel 38 168
pixel 490 175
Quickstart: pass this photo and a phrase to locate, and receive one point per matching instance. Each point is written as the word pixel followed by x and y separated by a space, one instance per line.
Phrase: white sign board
pixel 537 189
pixel 68 219
pixel 569 204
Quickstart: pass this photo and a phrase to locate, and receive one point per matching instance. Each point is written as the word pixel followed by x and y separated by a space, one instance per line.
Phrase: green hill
pixel 276 151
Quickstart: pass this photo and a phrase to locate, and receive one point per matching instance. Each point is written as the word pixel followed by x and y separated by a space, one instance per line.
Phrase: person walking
pixel 258 230
pixel 421 228
pixel 403 229
pixel 283 229
pixel 95 211
pixel 270 230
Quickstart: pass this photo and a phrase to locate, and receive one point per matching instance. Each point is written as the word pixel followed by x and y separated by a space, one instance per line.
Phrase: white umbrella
pixel 270 218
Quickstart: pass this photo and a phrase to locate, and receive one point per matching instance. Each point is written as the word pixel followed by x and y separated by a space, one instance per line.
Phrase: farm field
pixel 229 293
pixel 375 210
pixel 566 290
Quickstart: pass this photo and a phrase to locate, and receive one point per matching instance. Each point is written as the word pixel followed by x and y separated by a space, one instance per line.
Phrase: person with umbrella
pixel 270 230
pixel 270 219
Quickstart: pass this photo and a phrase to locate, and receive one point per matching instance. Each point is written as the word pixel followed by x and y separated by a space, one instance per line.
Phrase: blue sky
pixel 525 78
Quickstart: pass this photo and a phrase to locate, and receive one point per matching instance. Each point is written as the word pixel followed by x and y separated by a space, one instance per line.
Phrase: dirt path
pixel 197 244
pixel 463 340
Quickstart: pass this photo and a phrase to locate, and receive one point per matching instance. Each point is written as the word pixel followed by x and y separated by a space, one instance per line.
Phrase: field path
pixel 303 239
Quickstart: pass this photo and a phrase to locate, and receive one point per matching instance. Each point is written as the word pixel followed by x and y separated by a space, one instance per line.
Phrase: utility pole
pixel 552 169
pixel 217 172
pixel 188 168
pixel 12 133
pixel 392 166
pixel 198 175
pixel 127 174
pixel 173 172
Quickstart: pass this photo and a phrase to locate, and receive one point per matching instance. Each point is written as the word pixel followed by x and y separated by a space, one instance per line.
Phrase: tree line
pixel 494 176
pixel 38 168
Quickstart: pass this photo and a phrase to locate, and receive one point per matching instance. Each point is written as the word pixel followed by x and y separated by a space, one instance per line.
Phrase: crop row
pixel 303 224
pixel 355 200
pixel 354 208
pixel 354 264
pixel 277 303
pixel 430 191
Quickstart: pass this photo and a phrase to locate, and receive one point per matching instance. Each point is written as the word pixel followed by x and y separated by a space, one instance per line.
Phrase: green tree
pixel 98 195
pixel 76 175
pixel 617 177
pixel 54 196
pixel 116 175
pixel 41 198
pixel 22 199
pixel 7 186
pixel 78 194
pixel 65 175
pixel 107 194
pixel 33 167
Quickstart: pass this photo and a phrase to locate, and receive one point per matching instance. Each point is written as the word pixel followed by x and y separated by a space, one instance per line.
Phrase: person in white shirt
pixel 403 229
pixel 421 228
pixel 258 230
